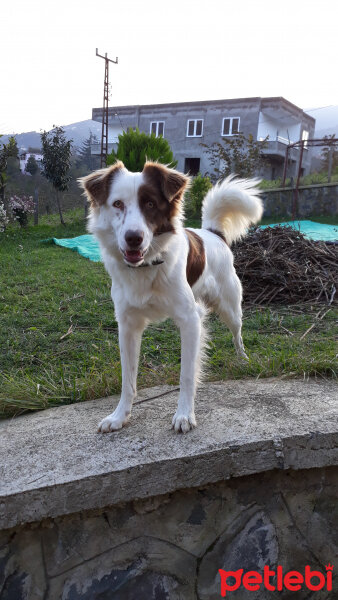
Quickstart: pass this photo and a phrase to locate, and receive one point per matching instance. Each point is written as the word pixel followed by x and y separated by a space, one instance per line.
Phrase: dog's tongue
pixel 133 255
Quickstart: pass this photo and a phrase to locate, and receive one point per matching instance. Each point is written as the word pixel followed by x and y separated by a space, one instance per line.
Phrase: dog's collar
pixel 153 263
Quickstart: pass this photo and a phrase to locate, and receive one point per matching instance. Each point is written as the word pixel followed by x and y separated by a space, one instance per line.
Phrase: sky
pixel 172 51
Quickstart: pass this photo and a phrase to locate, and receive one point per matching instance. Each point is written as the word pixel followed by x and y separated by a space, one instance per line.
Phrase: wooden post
pixel 285 165
pixel 329 170
pixel 300 164
pixel 36 207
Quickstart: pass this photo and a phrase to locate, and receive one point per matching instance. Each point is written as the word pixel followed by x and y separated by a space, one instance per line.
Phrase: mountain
pixel 78 132
pixel 326 120
pixel 326 124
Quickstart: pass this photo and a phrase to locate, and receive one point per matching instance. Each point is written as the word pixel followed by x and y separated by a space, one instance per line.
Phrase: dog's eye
pixel 150 204
pixel 118 204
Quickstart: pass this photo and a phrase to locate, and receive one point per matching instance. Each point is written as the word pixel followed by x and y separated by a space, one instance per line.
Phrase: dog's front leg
pixel 130 335
pixel 190 329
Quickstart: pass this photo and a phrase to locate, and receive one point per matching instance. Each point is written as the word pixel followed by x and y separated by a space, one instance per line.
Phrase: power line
pixel 321 108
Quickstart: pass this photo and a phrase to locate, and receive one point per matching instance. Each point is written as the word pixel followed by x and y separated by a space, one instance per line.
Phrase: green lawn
pixel 58 334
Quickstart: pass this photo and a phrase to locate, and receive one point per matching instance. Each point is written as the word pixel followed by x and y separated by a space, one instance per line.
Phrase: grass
pixel 59 339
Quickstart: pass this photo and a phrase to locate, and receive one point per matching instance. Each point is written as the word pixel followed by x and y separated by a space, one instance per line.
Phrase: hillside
pixel 78 132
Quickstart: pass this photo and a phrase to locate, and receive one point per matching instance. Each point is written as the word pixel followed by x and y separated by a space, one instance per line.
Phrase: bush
pixel 135 148
pixel 237 154
pixel 194 197
pixel 21 207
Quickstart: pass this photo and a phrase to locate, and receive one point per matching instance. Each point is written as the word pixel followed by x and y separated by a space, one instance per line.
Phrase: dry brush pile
pixel 279 265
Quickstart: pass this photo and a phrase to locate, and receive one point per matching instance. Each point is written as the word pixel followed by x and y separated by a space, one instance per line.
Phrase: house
pixel 188 124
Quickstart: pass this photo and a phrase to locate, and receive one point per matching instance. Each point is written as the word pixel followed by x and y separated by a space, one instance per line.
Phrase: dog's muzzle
pixel 134 239
pixel 133 256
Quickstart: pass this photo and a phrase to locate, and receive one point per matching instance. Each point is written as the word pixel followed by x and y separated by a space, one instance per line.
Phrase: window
pixel 230 125
pixel 305 137
pixel 157 127
pixel 195 128
pixel 192 166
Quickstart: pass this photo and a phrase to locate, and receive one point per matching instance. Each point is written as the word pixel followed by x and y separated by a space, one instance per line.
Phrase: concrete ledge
pixel 56 463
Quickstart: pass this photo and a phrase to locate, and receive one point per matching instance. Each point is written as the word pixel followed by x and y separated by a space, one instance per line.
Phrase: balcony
pixel 276 148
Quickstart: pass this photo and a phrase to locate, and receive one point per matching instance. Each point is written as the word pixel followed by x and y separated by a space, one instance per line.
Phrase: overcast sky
pixel 170 51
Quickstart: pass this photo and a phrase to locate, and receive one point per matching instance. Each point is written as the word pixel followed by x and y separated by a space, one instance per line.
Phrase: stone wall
pixel 146 514
pixel 310 201
pixel 170 547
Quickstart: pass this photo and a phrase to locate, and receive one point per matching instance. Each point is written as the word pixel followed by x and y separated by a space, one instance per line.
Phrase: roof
pixel 265 101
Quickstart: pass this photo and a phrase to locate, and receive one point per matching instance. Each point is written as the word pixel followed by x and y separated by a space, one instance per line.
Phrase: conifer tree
pixel 85 152
pixel 135 148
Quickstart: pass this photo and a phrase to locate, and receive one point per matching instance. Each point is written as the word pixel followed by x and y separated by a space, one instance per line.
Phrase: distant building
pixel 24 156
pixel 186 124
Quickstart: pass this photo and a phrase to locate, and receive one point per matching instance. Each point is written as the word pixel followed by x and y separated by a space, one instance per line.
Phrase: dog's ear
pixel 171 182
pixel 97 185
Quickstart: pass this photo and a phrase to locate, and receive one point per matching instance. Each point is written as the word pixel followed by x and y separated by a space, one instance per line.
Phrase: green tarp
pixel 87 246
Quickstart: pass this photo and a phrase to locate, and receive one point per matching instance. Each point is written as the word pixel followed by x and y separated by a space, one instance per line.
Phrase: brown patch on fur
pixel 155 208
pixel 164 190
pixel 196 257
pixel 97 184
pixel 220 234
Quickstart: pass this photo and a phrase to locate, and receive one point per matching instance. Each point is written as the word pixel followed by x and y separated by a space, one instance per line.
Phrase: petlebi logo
pixel 276 580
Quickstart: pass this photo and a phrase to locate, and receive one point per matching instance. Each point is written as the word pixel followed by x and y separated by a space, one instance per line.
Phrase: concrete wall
pixel 310 201
pixel 176 119
pixel 170 547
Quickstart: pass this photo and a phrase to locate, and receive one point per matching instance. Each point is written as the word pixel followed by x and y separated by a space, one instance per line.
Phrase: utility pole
pixel 104 133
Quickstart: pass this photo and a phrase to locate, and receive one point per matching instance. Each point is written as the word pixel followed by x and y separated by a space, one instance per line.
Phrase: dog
pixel 161 270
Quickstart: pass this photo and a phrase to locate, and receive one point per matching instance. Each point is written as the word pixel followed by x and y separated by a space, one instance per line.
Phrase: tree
pixel 85 152
pixel 135 148
pixel 329 154
pixel 237 154
pixel 7 152
pixel 32 166
pixel 56 161
pixel 195 195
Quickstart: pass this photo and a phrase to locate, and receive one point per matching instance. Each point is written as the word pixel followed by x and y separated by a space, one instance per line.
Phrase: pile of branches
pixel 279 265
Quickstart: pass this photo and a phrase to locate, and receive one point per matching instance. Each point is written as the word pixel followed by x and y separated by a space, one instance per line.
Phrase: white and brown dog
pixel 137 219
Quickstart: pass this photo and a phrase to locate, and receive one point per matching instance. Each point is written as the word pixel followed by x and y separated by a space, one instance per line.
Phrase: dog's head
pixel 134 209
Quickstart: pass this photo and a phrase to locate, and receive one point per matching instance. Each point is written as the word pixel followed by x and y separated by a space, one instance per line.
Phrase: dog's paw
pixel 183 423
pixel 111 423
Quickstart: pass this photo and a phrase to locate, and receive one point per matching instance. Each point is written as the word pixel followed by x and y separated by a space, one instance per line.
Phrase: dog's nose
pixel 134 239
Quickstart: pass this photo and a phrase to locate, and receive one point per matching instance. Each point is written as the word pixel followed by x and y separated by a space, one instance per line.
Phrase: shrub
pixel 135 148
pixel 21 207
pixel 194 197
pixel 3 218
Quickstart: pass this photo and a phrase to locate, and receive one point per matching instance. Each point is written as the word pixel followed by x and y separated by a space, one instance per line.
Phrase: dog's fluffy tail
pixel 231 206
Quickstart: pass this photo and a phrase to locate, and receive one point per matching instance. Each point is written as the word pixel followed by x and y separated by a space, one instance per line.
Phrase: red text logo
pixel 276 580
